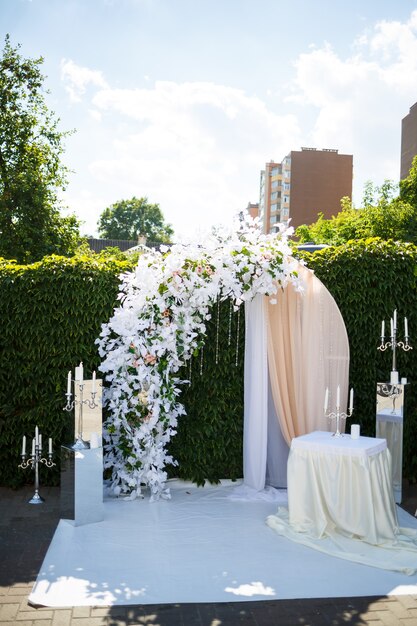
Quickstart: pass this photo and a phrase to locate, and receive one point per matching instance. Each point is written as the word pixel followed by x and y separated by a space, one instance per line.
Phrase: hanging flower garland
pixel 159 325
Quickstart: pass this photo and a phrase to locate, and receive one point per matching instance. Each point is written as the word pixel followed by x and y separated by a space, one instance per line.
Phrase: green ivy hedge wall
pixel 369 279
pixel 51 313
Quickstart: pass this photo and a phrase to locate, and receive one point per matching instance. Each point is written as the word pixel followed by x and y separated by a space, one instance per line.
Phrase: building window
pixel 274 184
pixel 274 207
pixel 274 195
pixel 286 199
pixel 284 212
pixel 287 186
pixel 275 171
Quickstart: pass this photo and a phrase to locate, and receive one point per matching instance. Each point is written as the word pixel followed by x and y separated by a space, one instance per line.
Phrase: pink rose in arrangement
pixel 199 269
pixel 150 359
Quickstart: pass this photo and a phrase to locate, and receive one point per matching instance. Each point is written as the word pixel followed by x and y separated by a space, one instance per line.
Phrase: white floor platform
pixel 200 546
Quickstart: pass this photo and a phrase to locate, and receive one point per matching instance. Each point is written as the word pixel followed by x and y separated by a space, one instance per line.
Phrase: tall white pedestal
pixel 389 426
pixel 82 485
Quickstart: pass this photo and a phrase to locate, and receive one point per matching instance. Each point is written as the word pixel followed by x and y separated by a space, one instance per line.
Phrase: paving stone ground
pixel 25 534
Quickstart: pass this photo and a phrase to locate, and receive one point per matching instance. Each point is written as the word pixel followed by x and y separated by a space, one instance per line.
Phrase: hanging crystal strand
pixel 190 368
pixel 237 336
pixel 201 360
pixel 217 329
pixel 229 339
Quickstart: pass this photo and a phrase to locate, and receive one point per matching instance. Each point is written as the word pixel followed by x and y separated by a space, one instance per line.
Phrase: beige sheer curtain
pixel 308 350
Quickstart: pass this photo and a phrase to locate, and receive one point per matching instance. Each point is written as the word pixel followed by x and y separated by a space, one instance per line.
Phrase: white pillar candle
pixel 351 399
pixel 24 445
pixel 50 445
pixel 33 447
pixel 81 373
pixel 392 327
pixel 40 441
pixel 338 397
pixel 93 386
pixel 77 374
pixel 69 384
pixel 395 319
pixel 406 327
pixel 383 329
pixel 326 399
pixel 36 435
pixel 355 431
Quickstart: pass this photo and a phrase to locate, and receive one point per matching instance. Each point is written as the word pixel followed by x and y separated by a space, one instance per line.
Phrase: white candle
pixel 338 397
pixel 50 445
pixel 406 327
pixel 93 386
pixel 392 327
pixel 36 435
pixel 77 374
pixel 69 384
pixel 33 447
pixel 395 319
pixel 81 373
pixel 24 445
pixel 326 399
pixel 351 400
pixel 40 441
pixel 383 329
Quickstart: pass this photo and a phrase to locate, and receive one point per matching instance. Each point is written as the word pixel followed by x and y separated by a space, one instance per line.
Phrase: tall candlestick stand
pixel 79 443
pixel 33 461
pixel 394 344
pixel 338 415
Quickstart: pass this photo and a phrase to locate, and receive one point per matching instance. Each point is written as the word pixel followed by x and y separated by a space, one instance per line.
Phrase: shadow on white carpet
pixel 200 546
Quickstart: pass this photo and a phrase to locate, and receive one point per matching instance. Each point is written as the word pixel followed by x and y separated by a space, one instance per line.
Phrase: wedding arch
pixel 161 324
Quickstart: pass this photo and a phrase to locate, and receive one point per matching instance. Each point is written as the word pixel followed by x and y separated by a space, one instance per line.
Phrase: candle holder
pixel 394 344
pixel 338 415
pixel 79 443
pixel 33 461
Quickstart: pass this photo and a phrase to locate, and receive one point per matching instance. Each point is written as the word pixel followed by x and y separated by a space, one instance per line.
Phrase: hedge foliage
pixel 369 279
pixel 51 313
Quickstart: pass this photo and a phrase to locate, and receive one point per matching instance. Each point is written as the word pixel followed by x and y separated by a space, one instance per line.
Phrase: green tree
pixel 382 216
pixel 31 173
pixel 127 219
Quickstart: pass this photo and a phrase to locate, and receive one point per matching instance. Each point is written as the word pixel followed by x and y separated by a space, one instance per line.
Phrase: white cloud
pixel 360 100
pixel 195 148
pixel 77 79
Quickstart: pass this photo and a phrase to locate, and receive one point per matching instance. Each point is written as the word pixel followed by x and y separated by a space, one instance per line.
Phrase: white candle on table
pixel 406 327
pixel 36 435
pixel 392 327
pixel 338 397
pixel 69 384
pixel 81 373
pixel 93 386
pixel 40 441
pixel 326 399
pixel 351 400
pixel 33 447
pixel 50 445
pixel 395 319
pixel 383 329
pixel 24 445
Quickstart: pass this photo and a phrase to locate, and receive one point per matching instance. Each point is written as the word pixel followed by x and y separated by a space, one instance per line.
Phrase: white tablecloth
pixel 342 484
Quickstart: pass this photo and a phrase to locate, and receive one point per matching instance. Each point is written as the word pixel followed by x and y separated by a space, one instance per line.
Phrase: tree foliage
pixel 31 173
pixel 127 219
pixel 382 215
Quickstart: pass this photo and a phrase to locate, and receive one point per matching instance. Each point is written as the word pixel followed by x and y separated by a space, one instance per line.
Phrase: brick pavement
pixel 26 531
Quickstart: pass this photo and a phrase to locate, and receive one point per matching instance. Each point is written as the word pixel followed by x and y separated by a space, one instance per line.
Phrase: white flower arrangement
pixel 159 325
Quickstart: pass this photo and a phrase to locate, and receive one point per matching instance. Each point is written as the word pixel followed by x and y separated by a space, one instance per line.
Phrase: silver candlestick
pixel 394 344
pixel 33 461
pixel 337 414
pixel 79 443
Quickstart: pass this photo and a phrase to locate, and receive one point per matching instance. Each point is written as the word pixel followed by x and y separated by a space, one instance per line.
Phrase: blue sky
pixel 183 101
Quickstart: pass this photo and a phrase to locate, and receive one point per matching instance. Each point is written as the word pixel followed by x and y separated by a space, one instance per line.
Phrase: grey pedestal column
pixel 389 426
pixel 82 485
